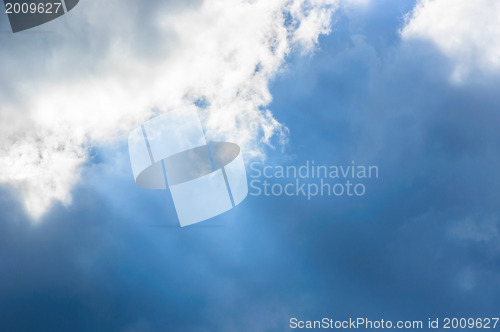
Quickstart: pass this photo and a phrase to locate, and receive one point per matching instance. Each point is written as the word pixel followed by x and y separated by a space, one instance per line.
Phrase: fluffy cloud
pixel 99 71
pixel 468 32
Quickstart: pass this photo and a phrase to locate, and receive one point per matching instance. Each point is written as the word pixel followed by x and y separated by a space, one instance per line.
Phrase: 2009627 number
pixel 471 323
pixel 32 8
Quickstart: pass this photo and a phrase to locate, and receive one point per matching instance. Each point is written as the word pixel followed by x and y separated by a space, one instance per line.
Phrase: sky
pixel 408 86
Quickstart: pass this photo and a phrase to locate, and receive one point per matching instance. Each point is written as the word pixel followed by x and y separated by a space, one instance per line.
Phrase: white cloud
pixel 467 32
pixel 110 65
pixel 484 230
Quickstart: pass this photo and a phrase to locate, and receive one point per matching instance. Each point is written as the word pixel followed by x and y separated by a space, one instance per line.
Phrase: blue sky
pixel 423 242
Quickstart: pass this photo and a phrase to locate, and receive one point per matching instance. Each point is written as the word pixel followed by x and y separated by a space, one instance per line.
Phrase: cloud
pixel 479 230
pixel 92 76
pixel 467 32
pixel 394 253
